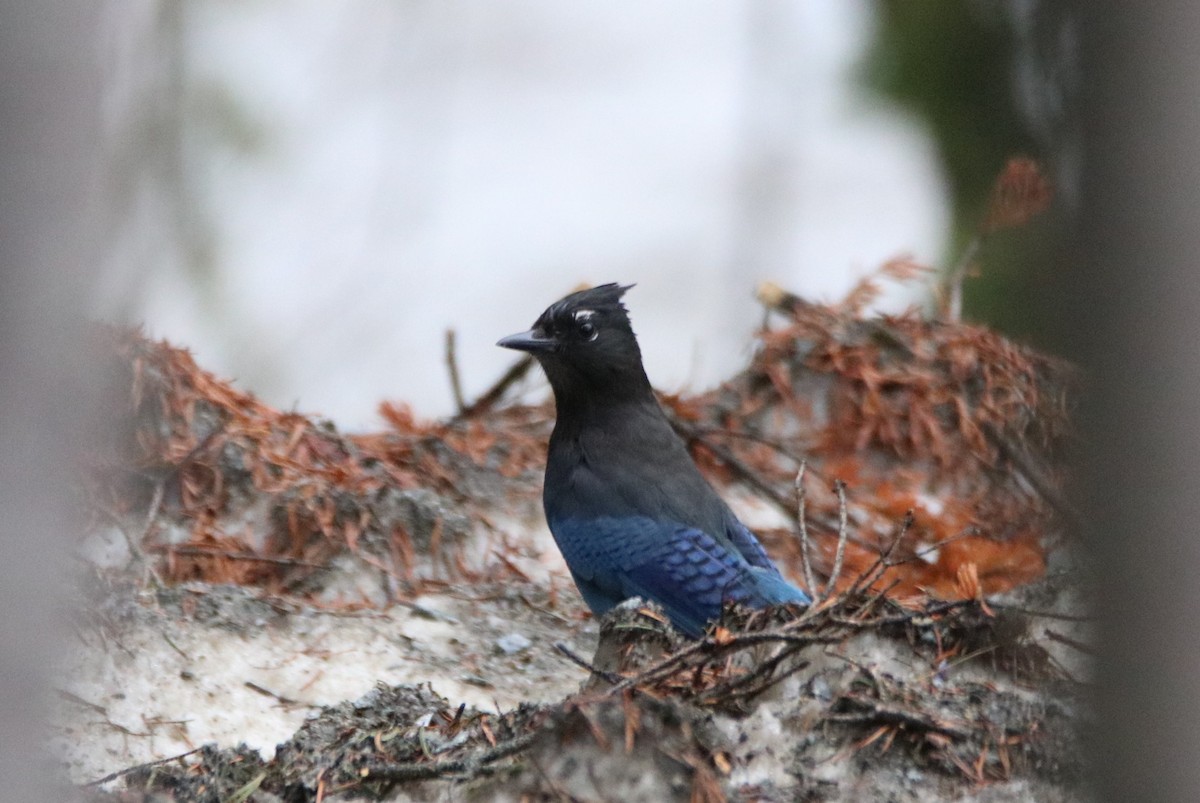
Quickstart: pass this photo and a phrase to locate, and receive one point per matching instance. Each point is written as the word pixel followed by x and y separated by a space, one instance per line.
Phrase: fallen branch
pixel 112 776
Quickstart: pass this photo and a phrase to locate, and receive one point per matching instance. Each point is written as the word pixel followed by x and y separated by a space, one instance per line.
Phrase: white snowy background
pixel 358 177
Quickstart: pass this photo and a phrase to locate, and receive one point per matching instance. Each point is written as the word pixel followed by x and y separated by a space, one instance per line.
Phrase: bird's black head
pixel 586 344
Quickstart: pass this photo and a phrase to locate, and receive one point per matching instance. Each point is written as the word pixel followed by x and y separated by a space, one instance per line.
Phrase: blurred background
pixel 309 195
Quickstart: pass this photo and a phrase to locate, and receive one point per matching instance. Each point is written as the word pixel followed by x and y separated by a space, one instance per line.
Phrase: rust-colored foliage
pixel 946 435
pixel 210 453
pixel 950 421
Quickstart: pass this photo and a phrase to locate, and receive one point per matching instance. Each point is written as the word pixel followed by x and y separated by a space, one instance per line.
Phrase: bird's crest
pixel 605 299
pixel 584 313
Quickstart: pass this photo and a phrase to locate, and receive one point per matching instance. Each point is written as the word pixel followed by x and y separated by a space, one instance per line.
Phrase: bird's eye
pixel 587 330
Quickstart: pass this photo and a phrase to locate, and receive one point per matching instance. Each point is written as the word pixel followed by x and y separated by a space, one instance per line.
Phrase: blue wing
pixel 682 568
pixel 748 545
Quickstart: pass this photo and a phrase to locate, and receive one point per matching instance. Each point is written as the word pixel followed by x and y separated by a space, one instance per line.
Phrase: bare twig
pixel 611 677
pixel 1070 642
pixel 175 647
pixel 743 472
pixel 805 546
pixel 75 698
pixel 514 374
pixel 755 682
pixel 876 712
pixel 710 648
pixel 843 534
pixel 112 776
pixel 936 545
pixel 875 571
pixel 452 366
pixel 908 617
pixel 265 692
pixel 754 437
pixel 223 553
pixel 952 288
pixel 135 547
pixel 870 602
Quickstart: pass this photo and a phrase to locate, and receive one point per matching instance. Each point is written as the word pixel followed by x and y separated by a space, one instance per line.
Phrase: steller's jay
pixel 627 506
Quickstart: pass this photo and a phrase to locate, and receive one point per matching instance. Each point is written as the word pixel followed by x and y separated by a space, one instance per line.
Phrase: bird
pixel 627 506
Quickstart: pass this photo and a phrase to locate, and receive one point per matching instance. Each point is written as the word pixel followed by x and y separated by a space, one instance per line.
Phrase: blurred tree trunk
pixel 1134 304
pixel 50 144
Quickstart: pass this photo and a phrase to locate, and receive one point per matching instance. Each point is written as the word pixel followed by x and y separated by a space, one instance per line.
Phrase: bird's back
pixel 633 516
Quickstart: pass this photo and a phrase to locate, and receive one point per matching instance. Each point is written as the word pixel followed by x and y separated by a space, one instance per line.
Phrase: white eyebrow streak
pixel 583 314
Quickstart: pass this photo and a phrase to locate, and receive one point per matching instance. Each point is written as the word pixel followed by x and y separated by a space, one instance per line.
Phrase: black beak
pixel 532 341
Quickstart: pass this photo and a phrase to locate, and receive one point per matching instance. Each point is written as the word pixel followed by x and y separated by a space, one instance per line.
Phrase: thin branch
pixel 112 776
pixel 920 554
pixel 514 374
pixel 611 677
pixel 873 712
pixel 247 556
pixel 875 571
pixel 805 544
pixel 953 287
pixel 460 404
pixel 151 515
pixel 843 534
pixel 743 472
pixel 265 692
pixel 1070 642
pixel 779 448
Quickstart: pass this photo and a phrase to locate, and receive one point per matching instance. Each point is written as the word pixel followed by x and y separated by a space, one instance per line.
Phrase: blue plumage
pixel 685 570
pixel 626 504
